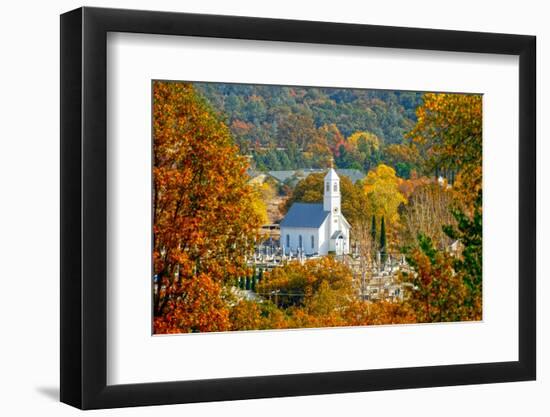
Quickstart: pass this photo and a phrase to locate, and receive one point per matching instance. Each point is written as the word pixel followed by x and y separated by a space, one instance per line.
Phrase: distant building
pixel 353 174
pixel 317 228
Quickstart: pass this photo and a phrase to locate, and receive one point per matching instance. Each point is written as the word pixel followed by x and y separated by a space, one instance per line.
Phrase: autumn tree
pixel 263 194
pixel 365 149
pixel 403 157
pixel 204 219
pixel 192 305
pixel 294 283
pixel 245 131
pixel 449 132
pixel 246 315
pixel 439 293
pixel 332 136
pixel 427 212
pixel 298 129
pixel 317 153
pixel 381 186
pixel 409 185
pixel 360 313
pixel 448 285
pixel 344 158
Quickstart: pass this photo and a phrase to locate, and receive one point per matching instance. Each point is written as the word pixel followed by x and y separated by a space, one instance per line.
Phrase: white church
pixel 317 229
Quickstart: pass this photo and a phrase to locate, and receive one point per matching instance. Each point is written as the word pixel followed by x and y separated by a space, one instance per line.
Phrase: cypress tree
pixel 247 283
pixel 383 240
pixel 373 229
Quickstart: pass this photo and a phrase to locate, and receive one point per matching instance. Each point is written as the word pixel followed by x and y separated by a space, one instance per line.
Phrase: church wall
pixel 323 238
pixel 306 233
pixel 321 235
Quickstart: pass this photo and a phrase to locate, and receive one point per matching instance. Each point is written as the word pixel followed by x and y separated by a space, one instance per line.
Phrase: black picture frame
pixel 84 207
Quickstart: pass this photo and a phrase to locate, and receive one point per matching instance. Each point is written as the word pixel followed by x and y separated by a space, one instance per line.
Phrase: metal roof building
pixel 305 215
pixel 353 174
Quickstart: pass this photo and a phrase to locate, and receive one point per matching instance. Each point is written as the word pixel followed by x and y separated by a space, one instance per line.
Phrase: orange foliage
pixel 298 282
pixel 361 313
pixel 197 308
pixel 440 294
pixel 204 217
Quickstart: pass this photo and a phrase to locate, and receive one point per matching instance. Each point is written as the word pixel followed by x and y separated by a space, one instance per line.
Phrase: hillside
pixel 305 127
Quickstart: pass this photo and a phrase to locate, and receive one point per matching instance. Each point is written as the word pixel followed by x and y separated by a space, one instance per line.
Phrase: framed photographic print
pixel 256 208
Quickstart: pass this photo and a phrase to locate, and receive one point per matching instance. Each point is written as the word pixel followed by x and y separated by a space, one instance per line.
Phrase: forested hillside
pixel 298 127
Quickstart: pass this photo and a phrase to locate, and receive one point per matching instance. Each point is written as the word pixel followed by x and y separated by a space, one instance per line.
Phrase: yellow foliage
pixel 449 129
pixel 384 197
pixel 366 139
pixel 258 201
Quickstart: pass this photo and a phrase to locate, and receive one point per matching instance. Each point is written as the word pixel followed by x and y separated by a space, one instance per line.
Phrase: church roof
pixel 305 215
pixel 353 174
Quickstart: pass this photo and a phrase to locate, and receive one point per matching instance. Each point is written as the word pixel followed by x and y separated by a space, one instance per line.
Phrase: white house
pixel 315 228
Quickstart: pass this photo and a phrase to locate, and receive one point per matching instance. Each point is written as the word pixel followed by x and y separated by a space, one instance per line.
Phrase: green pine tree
pixel 469 232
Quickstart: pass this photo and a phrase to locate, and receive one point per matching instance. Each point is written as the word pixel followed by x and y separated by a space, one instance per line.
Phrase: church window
pixel 328 187
pixel 312 242
pixel 300 241
pixel 287 241
pixel 335 186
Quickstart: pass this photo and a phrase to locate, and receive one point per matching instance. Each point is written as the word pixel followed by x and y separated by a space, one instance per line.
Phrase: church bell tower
pixel 331 201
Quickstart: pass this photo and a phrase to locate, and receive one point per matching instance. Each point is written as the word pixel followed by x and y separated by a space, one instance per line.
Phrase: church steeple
pixel 331 201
